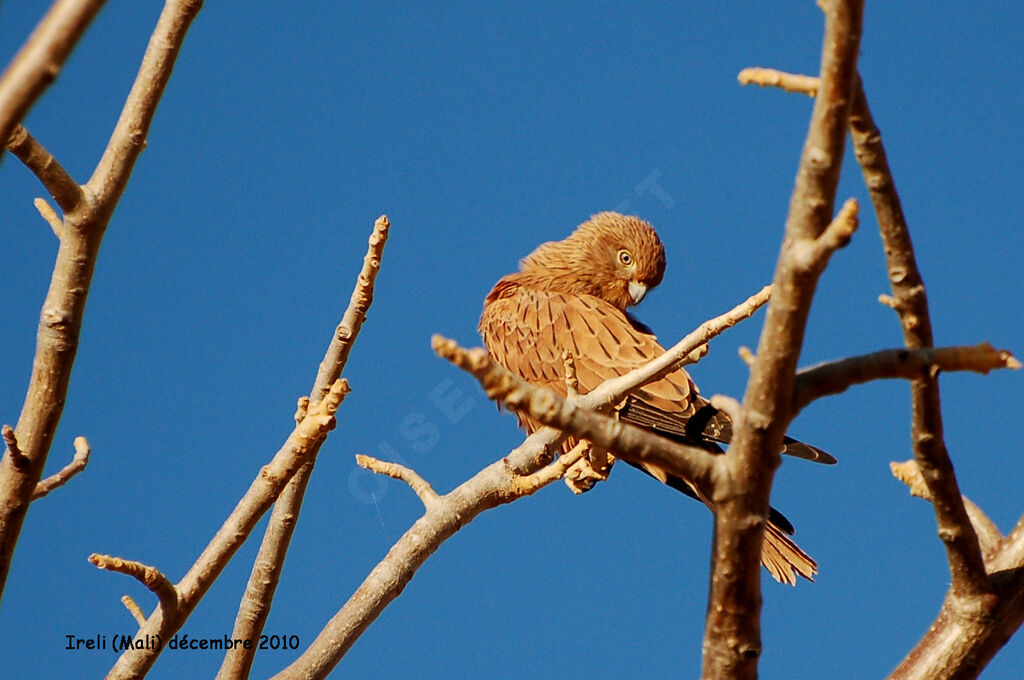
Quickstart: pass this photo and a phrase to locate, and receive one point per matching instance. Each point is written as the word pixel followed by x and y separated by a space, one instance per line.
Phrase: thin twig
pixel 732 633
pixel 729 405
pixel 266 570
pixel 574 460
pixel 815 254
pixel 151 577
pixel 836 376
pixel 572 381
pixel 128 139
pixel 688 350
pixel 77 464
pixel 768 77
pixel 50 215
pixel 134 609
pixel 40 59
pixel 17 458
pixel 422 488
pixel 51 173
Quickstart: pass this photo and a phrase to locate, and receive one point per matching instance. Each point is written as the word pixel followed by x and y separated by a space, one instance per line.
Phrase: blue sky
pixel 482 132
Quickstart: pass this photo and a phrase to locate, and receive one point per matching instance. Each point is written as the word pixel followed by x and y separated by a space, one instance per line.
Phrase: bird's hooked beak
pixel 637 291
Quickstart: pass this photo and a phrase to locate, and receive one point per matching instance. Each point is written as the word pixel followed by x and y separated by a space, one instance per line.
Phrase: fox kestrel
pixel 572 296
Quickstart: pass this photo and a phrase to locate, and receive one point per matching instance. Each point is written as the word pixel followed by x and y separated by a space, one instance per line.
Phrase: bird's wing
pixel 706 424
pixel 527 330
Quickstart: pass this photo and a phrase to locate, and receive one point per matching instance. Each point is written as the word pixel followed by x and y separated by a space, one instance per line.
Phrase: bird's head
pixel 617 258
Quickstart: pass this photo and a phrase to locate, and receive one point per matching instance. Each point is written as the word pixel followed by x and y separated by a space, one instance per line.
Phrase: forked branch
pixel 151 577
pixel 81 231
pixel 983 607
pixel 269 563
pixel 732 633
pixel 522 472
pixel 309 432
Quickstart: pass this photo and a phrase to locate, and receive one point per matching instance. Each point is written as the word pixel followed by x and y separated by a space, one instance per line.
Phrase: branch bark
pixel 51 173
pixel 82 232
pixel 732 634
pixel 966 565
pixel 40 59
pixel 266 570
pixel 836 376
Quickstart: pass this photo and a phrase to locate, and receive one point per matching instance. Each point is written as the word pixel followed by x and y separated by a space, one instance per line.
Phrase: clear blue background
pixel 482 132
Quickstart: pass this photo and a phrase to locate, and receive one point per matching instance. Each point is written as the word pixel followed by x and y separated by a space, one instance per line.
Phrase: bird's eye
pixel 625 258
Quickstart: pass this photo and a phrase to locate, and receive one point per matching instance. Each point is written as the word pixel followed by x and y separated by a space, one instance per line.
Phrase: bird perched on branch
pixel 572 296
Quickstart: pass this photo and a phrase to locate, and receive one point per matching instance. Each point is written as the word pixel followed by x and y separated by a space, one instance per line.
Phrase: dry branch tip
pixel 134 609
pixel 419 485
pixel 18 459
pixel 47 212
pixel 151 577
pixel 789 82
pixel 77 464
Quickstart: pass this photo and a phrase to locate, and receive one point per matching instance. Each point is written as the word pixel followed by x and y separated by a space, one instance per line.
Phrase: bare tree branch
pixel 494 485
pixel 40 59
pixel 77 464
pixel 732 633
pixel 266 570
pixel 965 560
pixel 151 577
pixel 687 350
pixel 50 172
pixel 836 376
pixel 969 631
pixel 81 233
pixel 421 486
pixel 128 139
pixel 308 434
pixel 522 472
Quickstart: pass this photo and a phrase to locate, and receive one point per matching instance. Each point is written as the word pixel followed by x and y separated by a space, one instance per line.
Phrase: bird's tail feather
pixel 779 554
pixel 783 558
